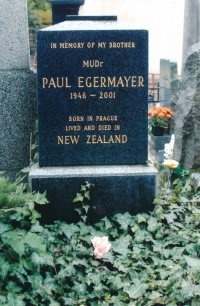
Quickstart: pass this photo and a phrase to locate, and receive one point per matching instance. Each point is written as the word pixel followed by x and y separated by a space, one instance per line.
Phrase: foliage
pixel 154 259
pixel 159 116
pixel 33 6
pixel 17 197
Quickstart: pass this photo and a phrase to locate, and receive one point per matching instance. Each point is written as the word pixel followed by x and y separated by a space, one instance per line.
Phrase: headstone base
pixel 116 189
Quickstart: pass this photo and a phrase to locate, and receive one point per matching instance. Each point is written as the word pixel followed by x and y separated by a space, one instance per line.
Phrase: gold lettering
pixel 120 82
pixel 89 128
pixel 133 81
pixel 117 138
pixel 85 63
pixel 127 80
pixel 99 139
pixel 101 44
pixel 88 139
pixel 53 45
pixel 52 83
pixel 57 81
pixel 44 82
pixel 76 118
pixel 60 139
pixel 96 81
pixel 94 138
pixel 116 127
pixel 86 82
pixel 74 139
pixel 66 139
pixel 66 82
pixel 124 138
pixel 80 81
pixel 140 81
pixel 112 81
pixel 102 81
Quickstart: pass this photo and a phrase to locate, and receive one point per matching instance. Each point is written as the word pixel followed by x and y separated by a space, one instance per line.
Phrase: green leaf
pixel 137 290
pixel 68 271
pixel 87 194
pixel 35 241
pixel 116 282
pixel 86 207
pixel 116 302
pixel 40 198
pixel 69 301
pixel 36 281
pixel 141 218
pixel 16 242
pixel 108 224
pixel 5 267
pixel 78 198
pixel 121 245
pixel 5 228
pixel 152 224
pixel 37 259
pixel 36 228
pixel 14 300
pixel 192 262
pixel 2 299
pixel 123 220
pixel 80 288
pixel 69 229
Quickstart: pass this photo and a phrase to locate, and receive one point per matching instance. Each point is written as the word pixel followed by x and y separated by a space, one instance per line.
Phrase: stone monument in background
pixel 165 77
pixel 174 93
pixel 187 128
pixel 18 88
pixel 191 32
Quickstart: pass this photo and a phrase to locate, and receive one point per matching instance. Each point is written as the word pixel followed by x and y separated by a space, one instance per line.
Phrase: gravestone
pixel 174 93
pixel 18 88
pixel 62 8
pixel 164 93
pixel 92 112
pixel 187 132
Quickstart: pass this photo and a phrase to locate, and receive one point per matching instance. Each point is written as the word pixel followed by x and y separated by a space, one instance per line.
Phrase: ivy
pixel 154 258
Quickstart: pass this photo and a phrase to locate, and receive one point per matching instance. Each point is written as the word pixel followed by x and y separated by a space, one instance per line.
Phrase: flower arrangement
pixel 159 116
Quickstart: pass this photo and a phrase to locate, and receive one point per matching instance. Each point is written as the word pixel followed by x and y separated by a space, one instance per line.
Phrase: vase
pixel 157 131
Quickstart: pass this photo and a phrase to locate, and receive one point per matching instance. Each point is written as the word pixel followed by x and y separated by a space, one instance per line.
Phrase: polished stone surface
pixel 115 190
pixel 18 111
pixel 92 94
pixel 14 46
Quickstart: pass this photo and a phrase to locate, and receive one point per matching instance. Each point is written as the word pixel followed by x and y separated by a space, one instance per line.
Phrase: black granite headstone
pixel 92 110
pixel 92 94
pixel 61 8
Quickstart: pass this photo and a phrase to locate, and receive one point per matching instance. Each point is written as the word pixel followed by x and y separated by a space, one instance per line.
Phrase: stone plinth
pixel 116 190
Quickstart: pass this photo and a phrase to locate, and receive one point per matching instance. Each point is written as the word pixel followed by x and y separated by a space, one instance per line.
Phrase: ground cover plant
pixel 153 258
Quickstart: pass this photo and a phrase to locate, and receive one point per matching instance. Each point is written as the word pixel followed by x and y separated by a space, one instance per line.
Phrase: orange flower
pixel 161 115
